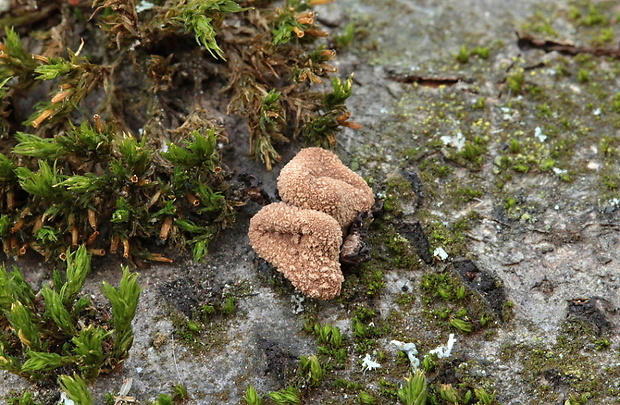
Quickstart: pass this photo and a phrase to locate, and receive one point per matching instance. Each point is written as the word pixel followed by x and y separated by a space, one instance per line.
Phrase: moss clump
pixel 515 81
pixel 466 194
pixel 138 193
pixel 367 326
pixel 58 330
pixel 540 23
pixel 332 350
pixel 205 327
pixel 545 367
pixel 391 248
pixel 405 301
pixel 398 191
pixel 114 154
pixel 450 304
pixel 586 13
pixel 450 237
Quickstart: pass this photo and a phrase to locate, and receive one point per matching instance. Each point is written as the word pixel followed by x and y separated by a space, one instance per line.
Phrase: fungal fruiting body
pixel 316 179
pixel 302 235
pixel 303 244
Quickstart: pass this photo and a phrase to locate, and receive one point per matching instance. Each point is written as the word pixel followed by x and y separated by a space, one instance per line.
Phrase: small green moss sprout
pixel 483 397
pixel 448 393
pixel 25 399
pixel 482 52
pixel 365 398
pixel 198 17
pixel 429 362
pixel 576 399
pixel 164 399
pixel 346 38
pixel 583 76
pixel 286 396
pixel 602 344
pixel 461 325
pixel 124 301
pixel 328 335
pixel 76 389
pixel 312 370
pixel 251 397
pixel 414 391
pixel 230 305
pixel 605 36
pixel 463 55
pixel 515 81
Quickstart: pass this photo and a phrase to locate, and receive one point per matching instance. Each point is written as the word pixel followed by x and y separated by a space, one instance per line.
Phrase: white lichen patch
pixel 457 141
pixel 368 364
pixel 410 350
pixel 446 350
pixel 538 133
pixel 298 303
pixel 440 253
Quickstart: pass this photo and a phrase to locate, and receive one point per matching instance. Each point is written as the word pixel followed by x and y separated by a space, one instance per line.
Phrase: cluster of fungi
pixel 302 235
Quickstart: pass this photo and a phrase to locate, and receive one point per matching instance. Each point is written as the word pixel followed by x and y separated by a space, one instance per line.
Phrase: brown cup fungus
pixel 316 179
pixel 302 236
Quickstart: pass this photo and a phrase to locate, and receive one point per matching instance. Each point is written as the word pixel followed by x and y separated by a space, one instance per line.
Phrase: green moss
pixel 444 286
pixel 346 38
pixel 347 385
pixel 451 237
pixel 515 81
pixel 482 52
pixel 405 301
pixel 367 327
pixel 70 173
pixel 578 342
pixel 544 111
pixel 450 305
pixel 466 194
pixel 463 55
pixel 373 281
pixel 390 250
pixel 605 36
pixel 479 104
pixel 583 76
pixel 615 103
pixel 431 169
pixel 602 344
pixel 508 311
pixel 540 23
pixel 204 330
pixel 41 345
pixel 467 222
pixel 473 151
pixel 332 350
pixel 365 398
pixel 229 306
pixel 611 182
pixel 399 191
pixel 388 389
pixel 26 398
pixel 590 15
